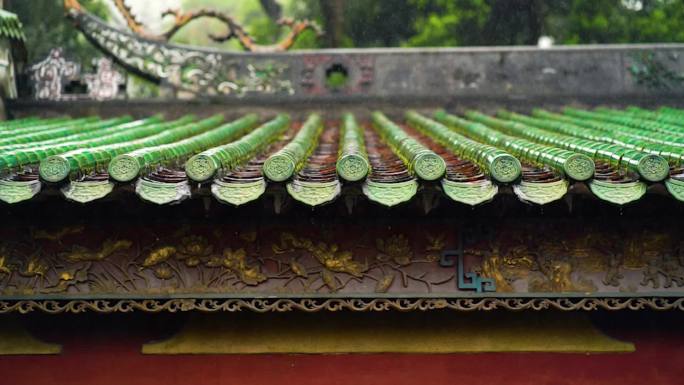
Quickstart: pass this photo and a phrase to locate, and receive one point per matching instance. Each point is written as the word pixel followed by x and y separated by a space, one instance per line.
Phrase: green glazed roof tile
pixel 644 143
pixel 10 26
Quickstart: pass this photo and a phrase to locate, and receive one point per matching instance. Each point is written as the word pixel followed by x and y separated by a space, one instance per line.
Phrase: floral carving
pixel 185 262
pixel 82 254
pixel 163 272
pixel 435 246
pixel 194 247
pixel 159 255
pixel 33 268
pixel 4 269
pixel 329 256
pixel 236 261
pixel 395 248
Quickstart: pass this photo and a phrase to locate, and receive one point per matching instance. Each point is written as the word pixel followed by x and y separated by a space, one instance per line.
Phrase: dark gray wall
pixel 394 79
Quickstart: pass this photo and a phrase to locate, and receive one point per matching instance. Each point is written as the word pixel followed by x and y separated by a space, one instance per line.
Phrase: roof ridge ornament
pixel 50 74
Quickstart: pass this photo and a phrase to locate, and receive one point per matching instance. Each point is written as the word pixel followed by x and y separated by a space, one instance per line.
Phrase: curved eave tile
pixel 84 192
pixel 541 193
pixel 390 194
pixel 470 193
pixel 162 193
pixel 676 188
pixel 18 191
pixel 238 194
pixel 314 194
pixel 618 193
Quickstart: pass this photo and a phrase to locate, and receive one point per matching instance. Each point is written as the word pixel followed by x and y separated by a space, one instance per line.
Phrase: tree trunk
pixel 535 22
pixel 333 13
pixel 272 9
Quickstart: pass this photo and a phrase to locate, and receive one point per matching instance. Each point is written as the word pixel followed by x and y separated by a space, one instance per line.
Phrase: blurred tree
pixel 385 23
pixel 617 21
pixel 250 14
pixel 514 22
pixel 272 9
pixel 333 15
pixel 259 18
pixel 509 22
pixel 659 21
pixel 378 23
pixel 449 22
pixel 46 27
pixel 391 23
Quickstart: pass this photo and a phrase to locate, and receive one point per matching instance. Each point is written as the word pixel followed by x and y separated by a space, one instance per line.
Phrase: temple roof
pixel 469 158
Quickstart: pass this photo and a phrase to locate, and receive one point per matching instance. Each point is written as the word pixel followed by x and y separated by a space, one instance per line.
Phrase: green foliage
pixel 449 23
pixel 46 27
pixel 336 80
pixel 197 32
pixel 376 23
pixel 138 87
pixel 304 9
pixel 250 15
pixel 505 22
pixel 618 21
pixel 414 23
pixel 648 70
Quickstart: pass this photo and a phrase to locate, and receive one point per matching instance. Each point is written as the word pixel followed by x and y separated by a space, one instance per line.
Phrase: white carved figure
pixel 104 84
pixel 49 75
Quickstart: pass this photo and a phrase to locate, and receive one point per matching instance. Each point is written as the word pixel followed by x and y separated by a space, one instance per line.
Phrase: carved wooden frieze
pixel 253 260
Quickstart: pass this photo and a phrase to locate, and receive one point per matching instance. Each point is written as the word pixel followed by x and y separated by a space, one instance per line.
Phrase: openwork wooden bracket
pixel 359 305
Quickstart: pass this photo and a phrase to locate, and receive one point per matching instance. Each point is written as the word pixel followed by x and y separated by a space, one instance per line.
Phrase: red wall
pixel 102 350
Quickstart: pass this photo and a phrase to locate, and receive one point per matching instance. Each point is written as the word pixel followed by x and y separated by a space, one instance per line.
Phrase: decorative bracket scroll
pixel 336 304
pixel 466 280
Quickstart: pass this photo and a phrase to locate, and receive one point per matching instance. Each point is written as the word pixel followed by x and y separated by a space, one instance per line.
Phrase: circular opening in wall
pixel 336 77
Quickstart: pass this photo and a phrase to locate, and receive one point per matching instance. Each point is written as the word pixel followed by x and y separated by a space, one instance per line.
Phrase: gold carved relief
pixel 50 262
